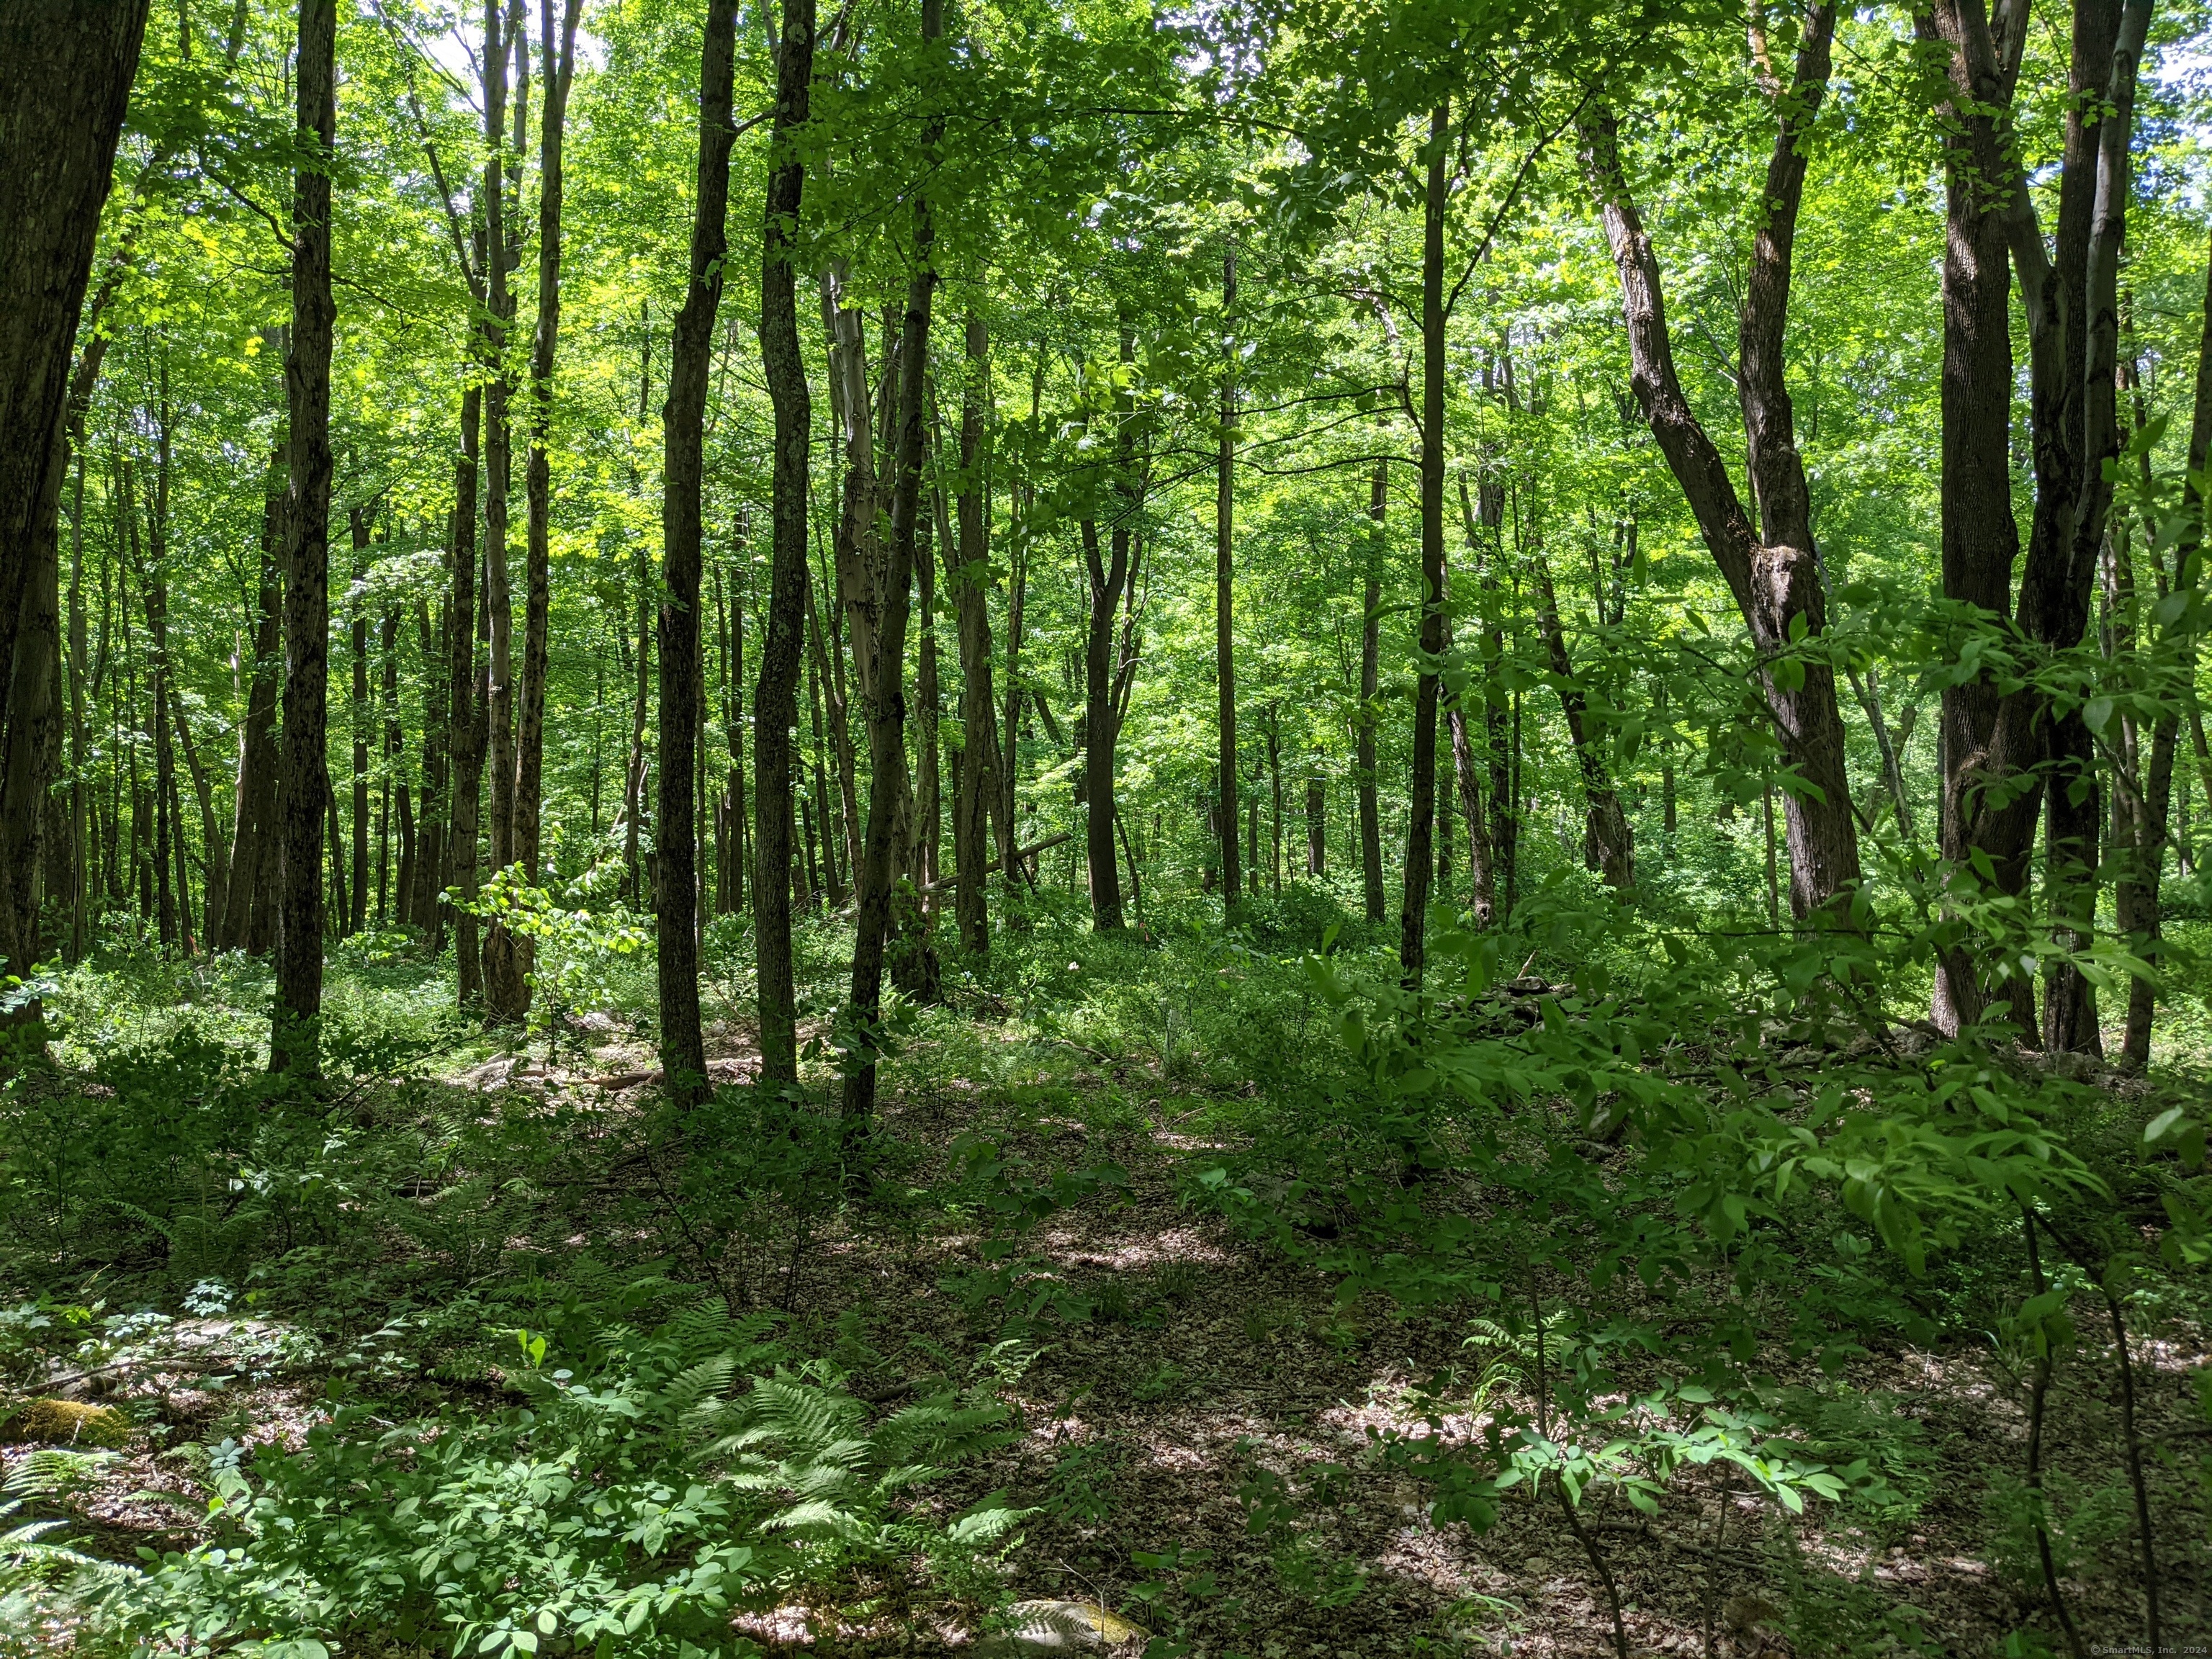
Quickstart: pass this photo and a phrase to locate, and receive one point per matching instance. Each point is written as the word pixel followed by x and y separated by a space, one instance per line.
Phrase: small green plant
pixel 1164 1382
pixel 1112 1304
pixel 1177 1281
pixel 1083 1480
pixel 574 945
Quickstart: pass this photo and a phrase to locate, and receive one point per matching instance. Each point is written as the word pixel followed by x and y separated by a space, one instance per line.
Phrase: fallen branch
pixel 947 883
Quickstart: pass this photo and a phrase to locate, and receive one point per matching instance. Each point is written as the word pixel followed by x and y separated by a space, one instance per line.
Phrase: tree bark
pixel 967 575
pixel 464 698
pixel 2069 297
pixel 1109 581
pixel 560 56
pixel 503 971
pixel 776 702
pixel 1371 685
pixel 66 68
pixel 1420 823
pixel 294 1044
pixel 1225 645
pixel 253 860
pixel 676 839
pixel 359 640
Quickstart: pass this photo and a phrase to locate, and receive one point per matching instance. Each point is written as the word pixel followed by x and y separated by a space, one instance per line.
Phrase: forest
pixel 1257 830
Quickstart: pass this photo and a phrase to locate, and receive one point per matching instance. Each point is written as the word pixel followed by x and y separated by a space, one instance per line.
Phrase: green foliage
pixel 690 1470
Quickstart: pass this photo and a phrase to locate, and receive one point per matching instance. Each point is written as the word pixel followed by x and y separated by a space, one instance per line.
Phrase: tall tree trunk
pixel 79 792
pixel 465 697
pixel 967 575
pixel 1421 821
pixel 1774 577
pixel 878 614
pixel 502 972
pixel 775 700
pixel 395 881
pixel 1316 819
pixel 354 922
pixel 66 68
pixel 1224 648
pixel 1109 581
pixel 253 856
pixel 511 993
pixel 217 856
pixel 2069 298
pixel 294 1040
pixel 1370 687
pixel 676 839
pixel 154 590
pixel 640 700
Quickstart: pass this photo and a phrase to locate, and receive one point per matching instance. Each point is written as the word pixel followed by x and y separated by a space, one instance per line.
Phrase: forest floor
pixel 1199 1419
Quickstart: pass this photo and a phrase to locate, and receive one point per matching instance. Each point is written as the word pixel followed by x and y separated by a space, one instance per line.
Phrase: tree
pixel 775 700
pixel 304 792
pixel 65 73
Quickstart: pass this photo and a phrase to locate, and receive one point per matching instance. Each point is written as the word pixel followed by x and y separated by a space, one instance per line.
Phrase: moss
pixel 69 1423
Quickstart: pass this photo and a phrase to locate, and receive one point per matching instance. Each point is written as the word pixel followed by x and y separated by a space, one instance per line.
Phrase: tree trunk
pixel 776 702
pixel 879 610
pixel 359 632
pixel 2069 302
pixel 388 880
pixel 464 697
pixel 502 974
pixel 1420 823
pixel 218 856
pixel 253 857
pixel 1316 821
pixel 1371 685
pixel 1607 827
pixel 294 1040
pixel 1775 578
pixel 511 994
pixel 66 67
pixel 676 841
pixel 967 575
pixel 1224 647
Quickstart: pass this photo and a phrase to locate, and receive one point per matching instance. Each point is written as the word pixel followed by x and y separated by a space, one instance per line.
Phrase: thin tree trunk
pixel 464 697
pixel 510 997
pixel 1317 820
pixel 501 985
pixel 359 718
pixel 879 624
pixel 1421 816
pixel 966 576
pixel 294 1040
pixel 1224 648
pixel 1606 826
pixel 776 710
pixel 253 857
pixel 1371 685
pixel 217 857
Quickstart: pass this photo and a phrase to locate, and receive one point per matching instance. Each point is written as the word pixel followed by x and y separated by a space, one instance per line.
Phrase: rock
pixel 69 1423
pixel 1060 1627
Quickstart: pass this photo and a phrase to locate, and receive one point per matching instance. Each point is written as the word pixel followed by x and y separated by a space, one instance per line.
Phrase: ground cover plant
pixel 1264 830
